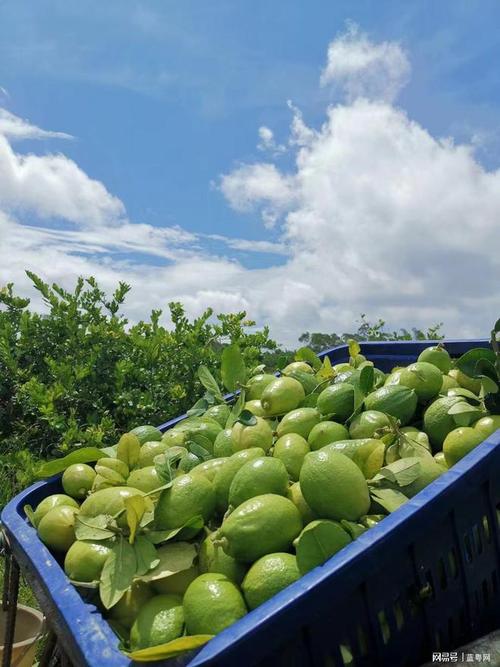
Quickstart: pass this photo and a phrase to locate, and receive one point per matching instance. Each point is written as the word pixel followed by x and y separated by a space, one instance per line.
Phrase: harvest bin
pixel 425 579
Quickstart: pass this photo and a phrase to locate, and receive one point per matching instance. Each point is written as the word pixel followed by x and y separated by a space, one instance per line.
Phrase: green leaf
pixel 163 466
pixel 464 414
pixel 93 527
pixel 258 369
pixel 109 451
pixel 366 379
pixel 236 410
pixel 170 649
pixel 128 449
pixel 233 369
pixel 174 557
pixel 326 371
pixel 489 386
pixel 402 472
pixel 354 348
pixel 247 418
pixel 83 455
pixel 199 451
pixel 468 361
pixel 30 513
pixel 145 554
pixel 201 440
pixel 389 499
pixel 354 529
pixel 198 409
pixel 466 393
pixel 306 354
pixel 484 368
pixel 194 525
pixel 135 507
pixel 118 572
pixel 209 382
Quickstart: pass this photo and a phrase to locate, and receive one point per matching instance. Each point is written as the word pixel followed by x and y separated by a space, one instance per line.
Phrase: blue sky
pixel 164 98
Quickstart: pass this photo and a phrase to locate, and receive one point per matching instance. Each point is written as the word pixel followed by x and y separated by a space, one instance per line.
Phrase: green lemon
pixel 291 449
pixel 437 422
pixel 326 432
pixel 159 621
pixel 264 524
pixel 146 433
pixel 370 520
pixel 219 412
pixel 345 376
pixel 189 496
pixel 440 459
pixel 393 377
pixel 300 420
pixel 378 378
pixel 126 609
pixel 295 495
pixel 111 501
pixel 301 366
pixel 437 356
pixel 114 471
pixel 258 435
pixel 57 528
pixel 318 542
pixel 224 476
pixel 262 475
pixel 366 453
pixel 151 449
pixel 429 471
pixel 447 384
pixel 337 401
pixel 145 479
pixel 418 444
pixel 213 558
pixel 188 462
pixel 176 583
pixel 426 379
pixel 459 442
pixel 395 400
pixel 223 444
pixel 77 480
pixel 367 423
pixel 255 408
pixel 268 576
pixel 211 604
pixel 257 384
pixel 472 384
pixel 333 486
pixel 282 395
pixel 209 468
pixel 174 437
pixel 342 367
pixel 84 560
pixel 487 425
pixel 55 500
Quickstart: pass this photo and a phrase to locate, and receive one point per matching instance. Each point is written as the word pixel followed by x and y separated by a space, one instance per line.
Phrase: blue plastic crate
pixel 425 579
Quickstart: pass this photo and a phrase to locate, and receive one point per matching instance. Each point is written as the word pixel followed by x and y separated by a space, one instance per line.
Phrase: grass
pixel 26 595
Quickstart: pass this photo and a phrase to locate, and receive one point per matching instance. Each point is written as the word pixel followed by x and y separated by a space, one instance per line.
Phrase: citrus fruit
pixel 326 432
pixel 337 401
pixel 219 412
pixel 57 528
pixel 209 468
pixel 415 443
pixel 188 462
pixel 145 479
pixel 447 384
pixel 262 475
pixel 487 425
pixel 319 541
pixel 295 495
pixel 429 471
pixel 55 500
pixel 342 367
pixel 77 480
pixel 365 424
pixel 160 620
pixel 257 384
pixel 258 435
pixel 267 576
pixel 472 384
pixel 301 366
pixel 85 560
pixel 224 476
pixel 211 604
pixel 393 377
pixel 223 444
pixel 214 559
pixel 176 583
pixel 255 408
pixel 111 501
pixel 378 378
pixel 282 395
pixel 114 471
pixel 460 442
pixel 151 449
pixel 126 609
pixel 366 453
pixel 174 437
pixel 264 524
pixel 437 356
pixel 300 420
pixel 395 400
pixel 370 520
pixel 333 486
pixel 440 459
pixel 146 433
pixel 291 449
pixel 437 422
pixel 189 496
pixel 426 379
pixel 308 381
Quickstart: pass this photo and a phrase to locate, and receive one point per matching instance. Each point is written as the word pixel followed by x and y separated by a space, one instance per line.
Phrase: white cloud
pixel 364 69
pixel 13 127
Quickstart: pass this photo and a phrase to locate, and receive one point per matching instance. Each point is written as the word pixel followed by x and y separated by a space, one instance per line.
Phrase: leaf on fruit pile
pixel 306 354
pixel 366 379
pixel 30 513
pixel 354 529
pixel 93 527
pixel 146 555
pixel 109 451
pixel 174 557
pixel 468 362
pixel 326 371
pixel 247 418
pixel 389 499
pixel 194 524
pixel 237 409
pixel 135 508
pixel 128 449
pixel 201 452
pixel 198 408
pixel 233 369
pixel 354 348
pixel 209 382
pixel 170 649
pixel 401 472
pixel 118 572
pixel 464 414
pixel 82 455
pixel 257 370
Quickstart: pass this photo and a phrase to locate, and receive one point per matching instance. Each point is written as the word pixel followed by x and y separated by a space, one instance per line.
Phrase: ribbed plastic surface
pixel 425 579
